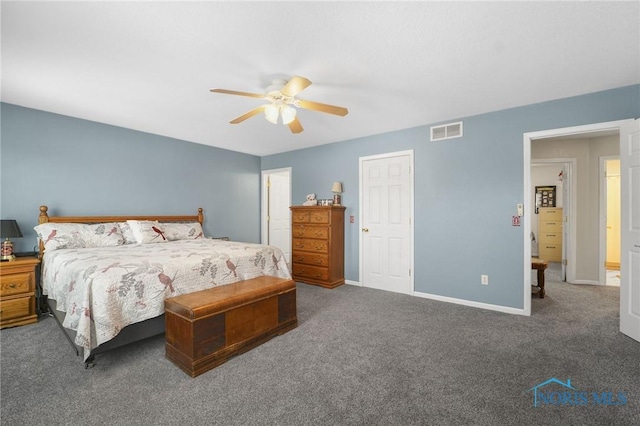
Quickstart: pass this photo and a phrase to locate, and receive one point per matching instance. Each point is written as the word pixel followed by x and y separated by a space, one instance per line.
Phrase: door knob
pixel 365 229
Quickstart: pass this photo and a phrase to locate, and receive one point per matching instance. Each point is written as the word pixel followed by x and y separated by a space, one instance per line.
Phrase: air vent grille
pixel 446 131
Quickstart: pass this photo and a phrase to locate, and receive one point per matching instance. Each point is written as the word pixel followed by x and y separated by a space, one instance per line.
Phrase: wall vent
pixel 446 131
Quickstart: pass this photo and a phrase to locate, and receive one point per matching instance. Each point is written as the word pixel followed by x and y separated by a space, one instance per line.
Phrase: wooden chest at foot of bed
pixel 206 328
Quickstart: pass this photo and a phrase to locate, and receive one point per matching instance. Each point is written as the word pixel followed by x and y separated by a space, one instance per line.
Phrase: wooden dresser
pixel 318 245
pixel 550 234
pixel 18 292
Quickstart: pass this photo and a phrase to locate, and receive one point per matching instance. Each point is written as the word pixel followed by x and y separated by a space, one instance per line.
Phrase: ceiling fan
pixel 282 97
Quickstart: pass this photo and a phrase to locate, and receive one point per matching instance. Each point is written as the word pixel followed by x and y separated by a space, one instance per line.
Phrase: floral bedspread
pixel 104 289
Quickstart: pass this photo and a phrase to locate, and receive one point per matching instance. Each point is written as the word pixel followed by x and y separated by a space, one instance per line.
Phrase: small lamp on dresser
pixel 337 190
pixel 8 229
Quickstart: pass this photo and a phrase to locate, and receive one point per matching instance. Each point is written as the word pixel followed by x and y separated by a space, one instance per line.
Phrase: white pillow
pixel 182 231
pixel 147 231
pixel 79 235
pixel 127 233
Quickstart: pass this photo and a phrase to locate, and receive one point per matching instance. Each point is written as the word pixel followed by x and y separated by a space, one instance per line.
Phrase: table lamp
pixel 337 190
pixel 9 229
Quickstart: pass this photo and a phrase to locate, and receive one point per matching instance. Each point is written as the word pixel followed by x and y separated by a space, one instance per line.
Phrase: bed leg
pixel 89 362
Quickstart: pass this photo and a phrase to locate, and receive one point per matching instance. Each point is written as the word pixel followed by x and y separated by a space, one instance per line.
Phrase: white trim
pixel 526 154
pixel 488 306
pixel 587 282
pixel 411 209
pixel 356 283
pixel 527 138
pixel 264 226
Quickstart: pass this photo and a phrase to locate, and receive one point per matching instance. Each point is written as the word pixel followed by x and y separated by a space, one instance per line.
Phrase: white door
pixel 387 212
pixel 630 229
pixel 276 213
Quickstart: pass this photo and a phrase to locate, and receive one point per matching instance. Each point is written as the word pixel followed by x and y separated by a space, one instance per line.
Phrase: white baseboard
pixel 490 307
pixel 588 282
pixel 499 308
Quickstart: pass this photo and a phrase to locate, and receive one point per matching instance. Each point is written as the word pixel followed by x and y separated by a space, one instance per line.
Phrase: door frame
pixel 602 219
pixel 411 212
pixel 527 138
pixel 264 224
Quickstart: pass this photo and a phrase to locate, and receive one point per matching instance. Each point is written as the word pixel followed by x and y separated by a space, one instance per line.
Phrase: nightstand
pixel 18 292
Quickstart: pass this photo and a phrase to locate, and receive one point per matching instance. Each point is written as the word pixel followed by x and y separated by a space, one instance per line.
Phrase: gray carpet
pixel 359 356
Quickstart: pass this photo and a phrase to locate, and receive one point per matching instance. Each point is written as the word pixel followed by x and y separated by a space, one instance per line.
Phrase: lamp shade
pixel 9 229
pixel 271 113
pixel 288 114
pixel 337 187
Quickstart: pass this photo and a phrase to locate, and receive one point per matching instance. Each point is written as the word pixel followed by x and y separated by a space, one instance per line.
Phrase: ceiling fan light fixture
pixel 281 98
pixel 271 113
pixel 288 114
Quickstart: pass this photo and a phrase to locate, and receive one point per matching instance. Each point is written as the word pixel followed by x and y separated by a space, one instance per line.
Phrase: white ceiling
pixel 149 65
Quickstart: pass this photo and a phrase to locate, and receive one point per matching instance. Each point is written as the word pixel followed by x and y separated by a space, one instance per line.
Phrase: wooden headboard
pixel 45 218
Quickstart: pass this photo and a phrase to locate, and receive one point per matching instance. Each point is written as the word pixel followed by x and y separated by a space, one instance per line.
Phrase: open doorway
pixel 583 241
pixel 610 219
pixel 276 215
pixel 552 213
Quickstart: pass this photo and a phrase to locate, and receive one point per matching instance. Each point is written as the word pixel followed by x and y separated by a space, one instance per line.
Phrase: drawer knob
pixel 13 285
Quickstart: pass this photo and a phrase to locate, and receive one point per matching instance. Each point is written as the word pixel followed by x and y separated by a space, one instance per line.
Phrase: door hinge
pixel 409 271
pixel 268 218
pixel 564 262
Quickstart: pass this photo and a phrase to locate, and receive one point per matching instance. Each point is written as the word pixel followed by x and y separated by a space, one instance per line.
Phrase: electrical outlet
pixel 484 279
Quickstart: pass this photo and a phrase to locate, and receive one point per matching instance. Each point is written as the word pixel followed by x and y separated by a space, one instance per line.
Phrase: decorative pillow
pixel 79 235
pixel 182 231
pixel 127 233
pixel 147 231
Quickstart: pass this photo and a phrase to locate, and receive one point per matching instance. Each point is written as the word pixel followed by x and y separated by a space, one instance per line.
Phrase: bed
pixel 106 277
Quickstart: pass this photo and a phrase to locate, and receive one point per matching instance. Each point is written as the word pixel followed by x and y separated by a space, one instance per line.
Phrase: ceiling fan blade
pixel 234 92
pixel 317 106
pixel 295 126
pixel 249 114
pixel 295 85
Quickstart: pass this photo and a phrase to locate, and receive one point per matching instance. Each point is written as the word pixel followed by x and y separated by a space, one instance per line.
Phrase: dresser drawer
pixel 320 216
pixel 300 216
pixel 554 238
pixel 311 258
pixel 16 308
pixel 549 213
pixel 301 231
pixel 307 271
pixel 549 225
pixel 16 283
pixel 320 246
pixel 550 252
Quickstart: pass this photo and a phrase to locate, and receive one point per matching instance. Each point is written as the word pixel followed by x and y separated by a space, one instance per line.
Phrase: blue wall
pixel 79 167
pixel 466 191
